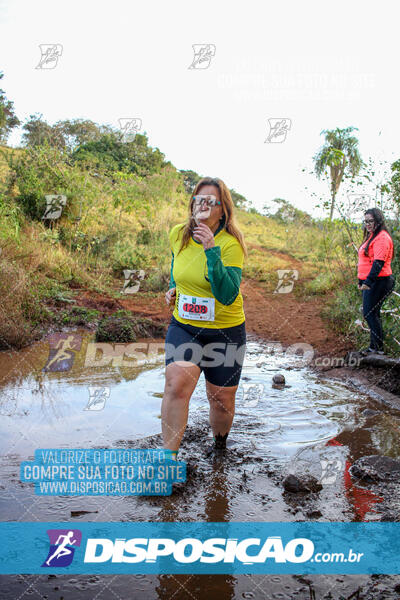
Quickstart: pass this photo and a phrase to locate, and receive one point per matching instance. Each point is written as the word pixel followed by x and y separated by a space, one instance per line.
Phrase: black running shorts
pixel 217 352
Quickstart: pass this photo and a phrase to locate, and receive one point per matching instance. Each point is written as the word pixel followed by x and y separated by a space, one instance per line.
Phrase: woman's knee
pixel 181 378
pixel 221 398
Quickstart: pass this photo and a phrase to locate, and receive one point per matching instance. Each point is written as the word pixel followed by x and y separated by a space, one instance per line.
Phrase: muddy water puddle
pixel 310 426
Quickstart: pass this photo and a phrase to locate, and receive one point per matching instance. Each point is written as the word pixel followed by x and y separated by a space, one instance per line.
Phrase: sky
pixel 316 66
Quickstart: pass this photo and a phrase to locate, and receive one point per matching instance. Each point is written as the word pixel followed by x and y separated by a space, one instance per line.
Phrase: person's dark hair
pixel 380 226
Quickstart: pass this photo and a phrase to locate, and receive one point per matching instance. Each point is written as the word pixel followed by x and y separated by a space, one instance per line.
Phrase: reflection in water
pixel 181 587
pixel 216 506
pixel 216 509
pixel 362 499
pixel 309 410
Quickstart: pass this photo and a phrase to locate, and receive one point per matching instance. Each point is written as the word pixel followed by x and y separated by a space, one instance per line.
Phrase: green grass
pixel 108 227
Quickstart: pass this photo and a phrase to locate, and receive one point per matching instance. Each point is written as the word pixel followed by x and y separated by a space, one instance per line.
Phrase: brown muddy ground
pixel 240 485
pixel 243 484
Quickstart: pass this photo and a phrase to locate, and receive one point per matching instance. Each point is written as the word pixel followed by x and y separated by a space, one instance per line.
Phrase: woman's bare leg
pixel 181 378
pixel 222 408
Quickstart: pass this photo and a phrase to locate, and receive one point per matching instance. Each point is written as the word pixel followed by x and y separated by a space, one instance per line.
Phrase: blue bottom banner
pixel 205 548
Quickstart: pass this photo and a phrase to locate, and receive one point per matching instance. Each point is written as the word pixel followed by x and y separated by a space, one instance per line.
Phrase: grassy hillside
pixel 122 221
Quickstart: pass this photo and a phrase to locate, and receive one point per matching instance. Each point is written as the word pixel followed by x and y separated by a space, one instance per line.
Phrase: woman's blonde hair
pixel 227 207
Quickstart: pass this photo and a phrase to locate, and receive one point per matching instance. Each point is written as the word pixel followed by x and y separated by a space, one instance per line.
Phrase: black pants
pixel 373 300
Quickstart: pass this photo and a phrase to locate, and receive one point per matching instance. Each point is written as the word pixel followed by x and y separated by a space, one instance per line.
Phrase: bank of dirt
pixel 279 317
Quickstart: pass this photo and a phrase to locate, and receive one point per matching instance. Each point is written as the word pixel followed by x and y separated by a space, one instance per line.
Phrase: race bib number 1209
pixel 194 307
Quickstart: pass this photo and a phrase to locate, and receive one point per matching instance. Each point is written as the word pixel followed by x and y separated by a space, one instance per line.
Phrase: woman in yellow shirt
pixel 207 328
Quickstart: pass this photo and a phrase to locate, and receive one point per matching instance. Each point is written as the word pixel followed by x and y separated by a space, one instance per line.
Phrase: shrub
pixel 322 283
pixel 115 329
pixel 144 237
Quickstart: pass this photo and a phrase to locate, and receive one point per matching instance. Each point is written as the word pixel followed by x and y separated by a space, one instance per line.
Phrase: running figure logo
pixel 278 129
pixel 331 468
pixel 129 128
pixel 50 54
pixel 286 277
pixel 54 206
pixel 61 551
pixel 356 200
pixel 132 282
pixel 252 393
pixel 62 351
pixel 202 56
pixel 98 397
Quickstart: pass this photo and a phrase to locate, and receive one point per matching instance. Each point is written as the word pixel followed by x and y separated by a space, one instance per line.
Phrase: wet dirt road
pixel 312 425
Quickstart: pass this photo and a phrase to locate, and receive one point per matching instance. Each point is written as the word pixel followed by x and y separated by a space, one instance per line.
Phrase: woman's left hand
pixel 364 287
pixel 204 234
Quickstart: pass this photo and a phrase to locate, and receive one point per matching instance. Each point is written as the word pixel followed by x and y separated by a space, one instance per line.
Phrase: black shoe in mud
pixel 220 445
pixel 214 451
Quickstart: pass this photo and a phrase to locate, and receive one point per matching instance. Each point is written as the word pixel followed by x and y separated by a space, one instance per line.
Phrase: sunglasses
pixel 368 221
pixel 209 200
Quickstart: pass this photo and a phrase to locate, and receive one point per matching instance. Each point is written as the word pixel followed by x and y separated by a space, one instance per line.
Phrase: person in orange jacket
pixel 375 277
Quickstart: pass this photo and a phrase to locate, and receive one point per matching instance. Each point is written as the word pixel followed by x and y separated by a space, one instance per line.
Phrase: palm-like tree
pixel 340 154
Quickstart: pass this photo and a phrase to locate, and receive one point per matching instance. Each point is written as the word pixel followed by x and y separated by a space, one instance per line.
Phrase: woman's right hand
pixel 170 296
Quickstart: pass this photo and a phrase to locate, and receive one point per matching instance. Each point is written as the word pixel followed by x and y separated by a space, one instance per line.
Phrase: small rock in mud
pixel 279 379
pixel 314 514
pixel 368 412
pixel 376 468
pixel 293 484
